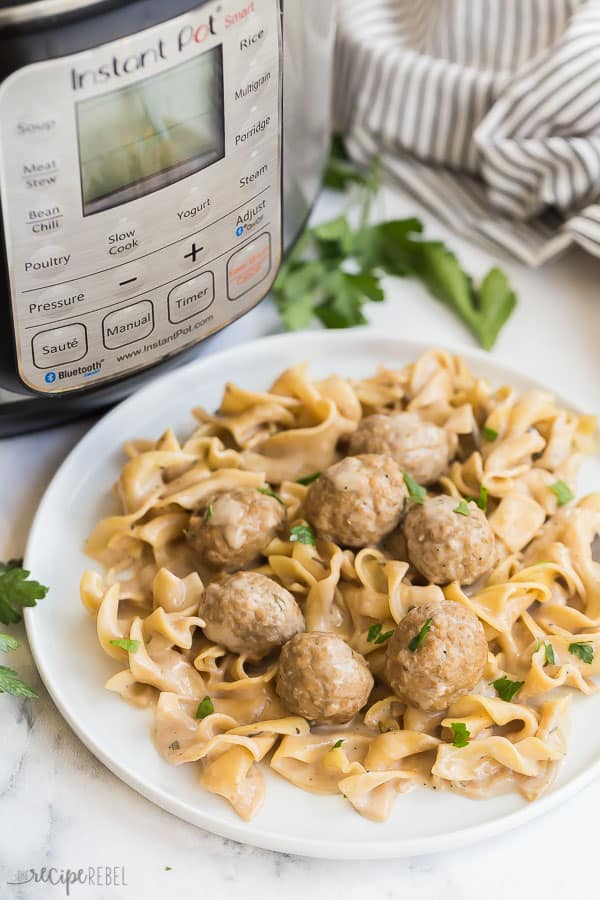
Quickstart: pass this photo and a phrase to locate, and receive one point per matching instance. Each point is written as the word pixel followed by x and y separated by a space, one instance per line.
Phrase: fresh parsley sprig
pixel 17 590
pixel 336 268
pixel 506 689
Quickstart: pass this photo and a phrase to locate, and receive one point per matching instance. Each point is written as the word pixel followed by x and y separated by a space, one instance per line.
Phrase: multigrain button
pixel 191 297
pixel 59 345
pixel 248 266
pixel 127 325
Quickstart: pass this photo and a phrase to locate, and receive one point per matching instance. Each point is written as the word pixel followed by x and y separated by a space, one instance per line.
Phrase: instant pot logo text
pixel 189 36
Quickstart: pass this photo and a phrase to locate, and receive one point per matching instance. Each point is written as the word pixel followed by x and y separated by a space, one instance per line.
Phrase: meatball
pixel 447 546
pixel 322 678
pixel 250 613
pixel 234 527
pixel 420 448
pixel 448 660
pixel 357 501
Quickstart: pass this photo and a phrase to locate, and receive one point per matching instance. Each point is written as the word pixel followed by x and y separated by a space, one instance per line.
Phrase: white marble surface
pixel 60 807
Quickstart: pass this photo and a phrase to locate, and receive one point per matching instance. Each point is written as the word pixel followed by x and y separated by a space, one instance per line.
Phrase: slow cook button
pixel 125 326
pixel 191 297
pixel 59 345
pixel 248 266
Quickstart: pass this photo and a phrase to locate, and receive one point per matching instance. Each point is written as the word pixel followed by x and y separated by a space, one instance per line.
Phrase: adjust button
pixel 59 345
pixel 127 325
pixel 191 297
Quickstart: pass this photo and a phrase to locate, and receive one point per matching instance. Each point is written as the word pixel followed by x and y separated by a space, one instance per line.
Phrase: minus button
pixel 128 281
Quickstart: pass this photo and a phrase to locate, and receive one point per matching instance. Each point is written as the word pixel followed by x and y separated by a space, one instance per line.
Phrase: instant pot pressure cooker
pixel 157 157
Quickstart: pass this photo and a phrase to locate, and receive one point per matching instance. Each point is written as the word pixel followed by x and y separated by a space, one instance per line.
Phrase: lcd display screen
pixel 150 134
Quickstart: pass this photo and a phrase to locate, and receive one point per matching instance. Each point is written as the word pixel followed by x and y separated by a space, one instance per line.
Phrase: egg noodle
pixel 539 605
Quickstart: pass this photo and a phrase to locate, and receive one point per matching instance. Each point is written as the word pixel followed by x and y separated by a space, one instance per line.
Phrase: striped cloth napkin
pixel 487 111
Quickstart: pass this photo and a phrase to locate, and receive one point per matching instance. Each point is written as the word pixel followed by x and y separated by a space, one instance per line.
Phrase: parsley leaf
pixel 10 683
pixel 335 269
pixel 337 744
pixel 482 500
pixel 418 639
pixel 126 644
pixel 303 534
pixel 461 734
pixel 308 479
pixel 17 591
pixel 506 689
pixel 584 650
pixel 279 600
pixel 416 493
pixel 205 708
pixel 463 508
pixel 269 492
pixel 208 513
pixel 375 635
pixel 562 492
pixel 549 657
pixel 489 434
pixel 7 642
pixel 373 632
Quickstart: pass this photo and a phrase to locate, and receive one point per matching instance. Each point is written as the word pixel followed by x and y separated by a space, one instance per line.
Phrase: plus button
pixel 193 252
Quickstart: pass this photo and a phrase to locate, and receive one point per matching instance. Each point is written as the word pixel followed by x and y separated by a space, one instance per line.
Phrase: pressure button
pixel 57 346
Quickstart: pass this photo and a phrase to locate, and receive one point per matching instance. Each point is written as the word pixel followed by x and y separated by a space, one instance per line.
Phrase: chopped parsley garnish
pixel 8 642
pixel 562 492
pixel 308 479
pixel 418 639
pixel 126 644
pixel 10 683
pixel 461 734
pixel 463 508
pixel 337 744
pixel 416 493
pixel 303 534
pixel 269 492
pixel 208 513
pixel 506 689
pixel 16 591
pixel 549 657
pixel 482 500
pixel 205 708
pixel 168 869
pixel 489 434
pixel 584 650
pixel 375 635
pixel 174 746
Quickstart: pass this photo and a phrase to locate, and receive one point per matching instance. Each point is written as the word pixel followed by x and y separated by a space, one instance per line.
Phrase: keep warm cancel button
pixel 248 266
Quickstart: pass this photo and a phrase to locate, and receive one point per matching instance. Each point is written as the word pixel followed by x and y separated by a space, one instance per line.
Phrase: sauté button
pixel 61 345
pixel 127 325
pixel 191 297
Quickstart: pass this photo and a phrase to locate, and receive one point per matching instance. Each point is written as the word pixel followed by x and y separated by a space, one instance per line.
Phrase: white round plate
pixel 74 669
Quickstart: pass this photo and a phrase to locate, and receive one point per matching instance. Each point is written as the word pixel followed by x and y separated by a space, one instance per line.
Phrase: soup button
pixel 191 297
pixel 59 345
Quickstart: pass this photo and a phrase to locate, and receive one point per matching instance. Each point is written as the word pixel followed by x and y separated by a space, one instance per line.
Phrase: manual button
pixel 191 297
pixel 127 325
pixel 61 345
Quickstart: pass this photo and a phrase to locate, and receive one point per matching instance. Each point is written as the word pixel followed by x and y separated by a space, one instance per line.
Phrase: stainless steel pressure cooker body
pixel 157 158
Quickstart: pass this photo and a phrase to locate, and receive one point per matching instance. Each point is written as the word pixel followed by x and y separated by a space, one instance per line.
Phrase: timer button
pixel 46 261
pixel 191 297
pixel 127 325
pixel 57 346
pixel 248 266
